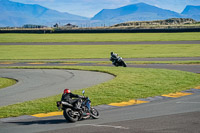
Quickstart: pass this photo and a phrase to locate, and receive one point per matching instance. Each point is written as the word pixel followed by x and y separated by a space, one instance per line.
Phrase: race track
pixel 40 83
pixel 177 115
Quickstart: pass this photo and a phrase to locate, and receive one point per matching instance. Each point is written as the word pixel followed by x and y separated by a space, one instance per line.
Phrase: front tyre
pixel 124 64
pixel 94 113
pixel 70 115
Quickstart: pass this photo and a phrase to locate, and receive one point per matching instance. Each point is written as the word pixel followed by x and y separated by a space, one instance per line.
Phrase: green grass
pixel 5 82
pixel 99 37
pixel 130 83
pixel 16 52
pixel 192 62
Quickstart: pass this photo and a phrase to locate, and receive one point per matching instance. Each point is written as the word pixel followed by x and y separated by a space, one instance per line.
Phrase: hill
pixel 14 14
pixel 172 22
pixel 192 12
pixel 18 14
pixel 135 12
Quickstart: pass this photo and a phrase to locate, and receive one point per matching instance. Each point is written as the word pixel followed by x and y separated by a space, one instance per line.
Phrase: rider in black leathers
pixel 67 96
pixel 114 57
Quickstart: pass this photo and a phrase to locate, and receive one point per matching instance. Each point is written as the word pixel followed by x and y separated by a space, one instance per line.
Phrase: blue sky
pixel 89 8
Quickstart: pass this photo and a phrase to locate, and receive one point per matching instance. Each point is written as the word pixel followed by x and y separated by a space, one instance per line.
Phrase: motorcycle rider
pixel 114 57
pixel 67 96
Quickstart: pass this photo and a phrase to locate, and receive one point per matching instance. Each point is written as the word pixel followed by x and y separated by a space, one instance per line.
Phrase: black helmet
pixel 111 53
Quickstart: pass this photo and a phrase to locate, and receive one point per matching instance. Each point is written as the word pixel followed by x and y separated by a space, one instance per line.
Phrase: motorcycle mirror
pixel 83 92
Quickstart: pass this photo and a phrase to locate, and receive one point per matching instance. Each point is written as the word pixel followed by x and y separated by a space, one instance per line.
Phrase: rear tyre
pixel 94 113
pixel 69 115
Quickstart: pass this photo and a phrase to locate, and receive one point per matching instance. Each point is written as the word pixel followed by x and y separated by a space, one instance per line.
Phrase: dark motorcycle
pixel 119 62
pixel 71 114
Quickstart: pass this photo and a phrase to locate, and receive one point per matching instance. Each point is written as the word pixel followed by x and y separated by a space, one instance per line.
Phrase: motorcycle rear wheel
pixel 94 113
pixel 69 115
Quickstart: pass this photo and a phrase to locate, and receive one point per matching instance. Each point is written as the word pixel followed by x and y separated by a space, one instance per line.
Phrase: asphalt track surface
pixel 170 115
pixel 180 115
pixel 190 68
pixel 39 83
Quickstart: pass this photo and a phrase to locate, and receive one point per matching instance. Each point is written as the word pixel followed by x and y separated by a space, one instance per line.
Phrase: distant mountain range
pixel 139 12
pixel 18 14
pixel 192 12
pixel 144 12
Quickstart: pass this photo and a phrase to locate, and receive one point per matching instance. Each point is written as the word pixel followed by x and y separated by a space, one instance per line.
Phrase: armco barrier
pixel 103 31
pixel 39 31
pixel 127 30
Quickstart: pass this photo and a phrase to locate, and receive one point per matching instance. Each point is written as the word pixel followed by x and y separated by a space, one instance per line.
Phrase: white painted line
pixel 188 102
pixel 94 125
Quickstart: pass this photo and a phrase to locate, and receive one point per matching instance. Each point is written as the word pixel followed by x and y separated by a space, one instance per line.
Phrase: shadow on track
pixel 40 122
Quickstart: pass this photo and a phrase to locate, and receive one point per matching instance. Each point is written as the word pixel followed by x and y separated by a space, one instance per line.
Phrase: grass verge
pixel 130 83
pixel 5 82
pixel 13 52
pixel 99 37
pixel 192 62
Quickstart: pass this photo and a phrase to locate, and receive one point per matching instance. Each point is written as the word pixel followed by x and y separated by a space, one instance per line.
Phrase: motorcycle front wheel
pixel 124 64
pixel 69 115
pixel 94 113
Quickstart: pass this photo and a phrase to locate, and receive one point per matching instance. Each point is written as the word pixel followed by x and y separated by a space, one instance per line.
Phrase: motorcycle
pixel 119 62
pixel 71 114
